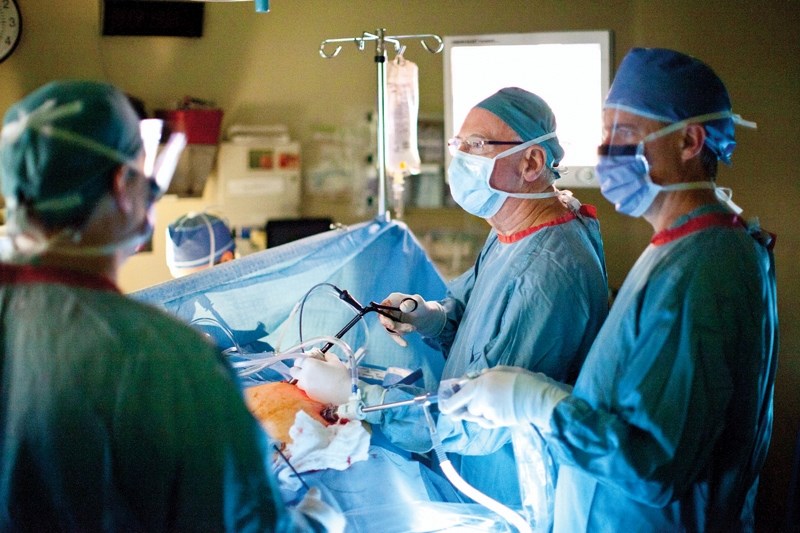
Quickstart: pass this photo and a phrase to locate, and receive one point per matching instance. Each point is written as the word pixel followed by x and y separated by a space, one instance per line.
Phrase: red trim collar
pixel 585 210
pixel 25 274
pixel 696 224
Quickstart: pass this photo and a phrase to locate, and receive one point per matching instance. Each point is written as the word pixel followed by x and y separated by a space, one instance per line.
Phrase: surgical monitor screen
pixel 569 70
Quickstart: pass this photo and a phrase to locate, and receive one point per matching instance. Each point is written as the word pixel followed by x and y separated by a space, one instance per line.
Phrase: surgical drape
pixel 254 296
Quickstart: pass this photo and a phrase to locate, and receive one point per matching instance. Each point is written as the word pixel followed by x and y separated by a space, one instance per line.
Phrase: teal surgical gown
pixel 116 417
pixel 536 303
pixel 670 419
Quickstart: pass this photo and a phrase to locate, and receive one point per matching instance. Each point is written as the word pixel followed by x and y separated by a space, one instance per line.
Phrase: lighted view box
pixel 571 71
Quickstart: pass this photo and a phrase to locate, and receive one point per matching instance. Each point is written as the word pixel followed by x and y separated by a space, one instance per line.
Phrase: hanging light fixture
pixel 262 6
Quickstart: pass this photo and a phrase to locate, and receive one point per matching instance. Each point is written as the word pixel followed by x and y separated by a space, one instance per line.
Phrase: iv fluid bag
pixel 402 109
pixel 537 473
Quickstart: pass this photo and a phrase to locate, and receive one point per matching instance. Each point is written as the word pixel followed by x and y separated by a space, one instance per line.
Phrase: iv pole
pixel 381 39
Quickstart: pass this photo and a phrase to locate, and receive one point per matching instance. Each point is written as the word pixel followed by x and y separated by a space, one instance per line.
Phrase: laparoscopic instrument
pixel 357 410
pixel 407 305
pixel 254 362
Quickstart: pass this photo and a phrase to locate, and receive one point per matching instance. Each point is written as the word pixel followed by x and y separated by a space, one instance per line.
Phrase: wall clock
pixel 10 27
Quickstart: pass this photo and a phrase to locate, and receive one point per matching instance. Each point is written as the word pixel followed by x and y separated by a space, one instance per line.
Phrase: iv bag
pixel 402 108
pixel 537 472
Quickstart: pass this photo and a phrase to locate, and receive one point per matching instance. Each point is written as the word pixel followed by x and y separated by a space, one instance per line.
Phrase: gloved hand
pixel 312 506
pixel 324 380
pixel 428 319
pixel 505 396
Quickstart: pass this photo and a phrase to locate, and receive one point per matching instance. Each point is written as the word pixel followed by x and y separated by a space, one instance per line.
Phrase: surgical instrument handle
pixel 425 399
pixel 378 308
pixel 344 295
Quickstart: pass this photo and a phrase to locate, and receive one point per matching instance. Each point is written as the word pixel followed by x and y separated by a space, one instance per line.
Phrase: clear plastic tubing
pixel 512 517
pixel 295 352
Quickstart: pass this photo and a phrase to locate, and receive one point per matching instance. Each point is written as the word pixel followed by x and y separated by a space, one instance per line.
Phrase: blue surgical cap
pixel 60 145
pixel 528 115
pixel 198 239
pixel 669 86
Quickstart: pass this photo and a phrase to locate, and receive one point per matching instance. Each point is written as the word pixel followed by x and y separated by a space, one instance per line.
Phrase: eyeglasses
pixel 474 144
pixel 154 192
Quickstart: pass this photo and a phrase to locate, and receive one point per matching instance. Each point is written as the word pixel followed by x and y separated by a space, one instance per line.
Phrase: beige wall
pixel 265 68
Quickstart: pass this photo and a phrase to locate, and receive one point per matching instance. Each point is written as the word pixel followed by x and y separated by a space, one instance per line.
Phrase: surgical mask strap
pixel 723 194
pixel 527 195
pixel 699 119
pixel 525 145
pixel 31 243
pixel 519 148
pixel 132 242
pixel 41 119
pixel 686 186
pixel 37 119
pixel 36 245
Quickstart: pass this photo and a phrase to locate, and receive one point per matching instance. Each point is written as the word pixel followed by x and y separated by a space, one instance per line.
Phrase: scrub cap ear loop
pixel 41 119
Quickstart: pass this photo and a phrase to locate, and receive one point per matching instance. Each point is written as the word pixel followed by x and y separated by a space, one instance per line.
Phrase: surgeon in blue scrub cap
pixel 197 241
pixel 669 422
pixel 534 299
pixel 115 416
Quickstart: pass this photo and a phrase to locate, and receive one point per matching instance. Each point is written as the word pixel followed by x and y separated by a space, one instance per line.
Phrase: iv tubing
pixel 228 333
pixel 295 352
pixel 512 517
pixel 354 358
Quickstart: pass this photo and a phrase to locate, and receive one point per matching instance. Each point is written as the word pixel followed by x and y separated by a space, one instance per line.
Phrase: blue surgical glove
pixel 325 380
pixel 504 396
pixel 428 319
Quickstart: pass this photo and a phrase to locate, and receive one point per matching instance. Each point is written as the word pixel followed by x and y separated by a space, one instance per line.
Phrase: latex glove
pixel 428 319
pixel 312 506
pixel 324 380
pixel 504 396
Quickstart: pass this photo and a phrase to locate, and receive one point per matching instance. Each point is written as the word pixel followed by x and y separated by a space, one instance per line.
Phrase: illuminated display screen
pixel 569 70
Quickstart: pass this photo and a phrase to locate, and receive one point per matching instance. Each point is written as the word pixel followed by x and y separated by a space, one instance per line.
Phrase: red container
pixel 201 126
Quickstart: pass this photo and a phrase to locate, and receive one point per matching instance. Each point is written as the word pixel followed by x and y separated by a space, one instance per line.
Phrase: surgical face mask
pixel 139 235
pixel 469 177
pixel 624 174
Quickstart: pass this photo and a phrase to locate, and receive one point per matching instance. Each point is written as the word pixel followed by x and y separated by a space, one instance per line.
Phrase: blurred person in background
pixel 197 241
pixel 115 416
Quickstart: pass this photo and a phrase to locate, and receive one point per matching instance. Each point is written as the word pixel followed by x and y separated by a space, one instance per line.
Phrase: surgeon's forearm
pixel 603 445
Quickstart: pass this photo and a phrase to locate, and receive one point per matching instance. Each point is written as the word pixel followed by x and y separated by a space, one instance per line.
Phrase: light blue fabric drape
pixel 254 296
